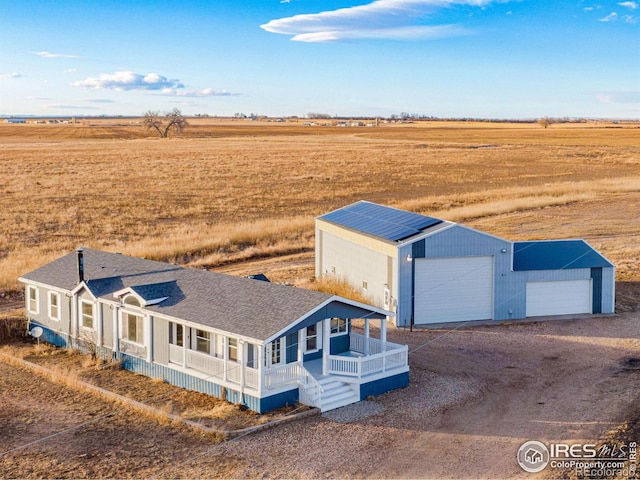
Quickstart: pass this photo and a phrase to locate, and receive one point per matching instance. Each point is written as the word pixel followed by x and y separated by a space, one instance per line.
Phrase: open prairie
pixel 240 197
pixel 225 192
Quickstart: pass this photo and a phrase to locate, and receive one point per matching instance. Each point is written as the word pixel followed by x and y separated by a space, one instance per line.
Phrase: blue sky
pixel 446 58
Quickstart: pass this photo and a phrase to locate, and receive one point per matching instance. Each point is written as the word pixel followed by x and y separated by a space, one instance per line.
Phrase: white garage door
pixel 453 289
pixel 558 298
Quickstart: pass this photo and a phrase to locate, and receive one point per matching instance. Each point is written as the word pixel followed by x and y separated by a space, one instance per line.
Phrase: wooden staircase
pixel 336 393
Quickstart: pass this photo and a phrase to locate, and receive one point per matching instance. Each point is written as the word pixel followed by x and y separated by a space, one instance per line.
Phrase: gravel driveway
pixel 476 395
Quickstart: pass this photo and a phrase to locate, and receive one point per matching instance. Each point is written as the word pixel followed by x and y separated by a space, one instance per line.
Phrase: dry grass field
pixel 226 192
pixel 240 197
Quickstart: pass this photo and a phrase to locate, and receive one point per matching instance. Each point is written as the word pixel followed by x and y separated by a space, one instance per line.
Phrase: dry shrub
pixel 45 349
pixel 337 286
pixel 12 328
pixel 220 411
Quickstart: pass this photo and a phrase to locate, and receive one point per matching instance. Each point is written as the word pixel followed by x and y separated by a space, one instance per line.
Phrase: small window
pixel 176 334
pixel 131 300
pixel 203 341
pixel 132 328
pixel 339 326
pixel 333 269
pixel 252 355
pixel 274 353
pixel 365 285
pixel 32 293
pixel 87 314
pixel 54 305
pixel 232 349
pixel 313 340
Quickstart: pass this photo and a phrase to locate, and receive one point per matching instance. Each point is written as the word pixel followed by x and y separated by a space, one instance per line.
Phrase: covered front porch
pixel 343 372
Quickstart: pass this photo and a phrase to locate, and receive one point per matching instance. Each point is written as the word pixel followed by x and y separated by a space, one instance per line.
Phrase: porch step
pixel 337 394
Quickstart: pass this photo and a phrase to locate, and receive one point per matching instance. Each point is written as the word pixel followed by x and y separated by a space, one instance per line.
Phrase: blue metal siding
pixel 339 344
pixel 175 377
pixel 384 385
pixel 284 399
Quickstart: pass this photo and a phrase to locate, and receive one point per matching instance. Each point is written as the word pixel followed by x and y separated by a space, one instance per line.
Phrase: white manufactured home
pixel 430 271
pixel 256 343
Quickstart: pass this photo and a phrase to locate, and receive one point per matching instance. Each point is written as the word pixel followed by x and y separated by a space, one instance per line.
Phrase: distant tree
pixel 164 124
pixel 545 122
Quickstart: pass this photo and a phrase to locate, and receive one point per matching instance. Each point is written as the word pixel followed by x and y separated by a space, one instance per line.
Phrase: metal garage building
pixel 433 271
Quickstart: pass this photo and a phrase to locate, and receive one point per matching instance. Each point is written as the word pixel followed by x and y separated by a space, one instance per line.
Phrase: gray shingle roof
pixel 243 306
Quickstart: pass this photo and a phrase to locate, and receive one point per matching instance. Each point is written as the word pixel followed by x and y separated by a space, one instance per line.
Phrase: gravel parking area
pixel 476 394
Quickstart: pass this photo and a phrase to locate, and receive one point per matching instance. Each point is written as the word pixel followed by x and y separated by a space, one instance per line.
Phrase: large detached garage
pixel 432 271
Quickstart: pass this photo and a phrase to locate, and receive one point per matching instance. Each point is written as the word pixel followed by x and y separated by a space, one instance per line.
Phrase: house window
pixel 203 341
pixel 131 300
pixel 312 343
pixel 232 349
pixel 252 355
pixel 274 353
pixel 86 311
pixel 365 285
pixel 33 299
pixel 339 326
pixel 132 328
pixel 176 334
pixel 54 305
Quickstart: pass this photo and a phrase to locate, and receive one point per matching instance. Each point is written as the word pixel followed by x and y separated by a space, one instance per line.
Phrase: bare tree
pixel 545 122
pixel 164 124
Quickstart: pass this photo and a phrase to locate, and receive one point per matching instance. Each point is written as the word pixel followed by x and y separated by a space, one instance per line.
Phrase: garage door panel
pixel 558 298
pixel 453 289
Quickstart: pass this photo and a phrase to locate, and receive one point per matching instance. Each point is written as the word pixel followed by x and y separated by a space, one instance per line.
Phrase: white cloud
pixel 70 70
pixel 628 96
pixel 62 106
pixel 37 98
pixel 629 19
pixel 612 17
pixel 98 100
pixel 11 75
pixel 205 92
pixel 53 55
pixel 588 9
pixel 389 19
pixel 631 5
pixel 128 81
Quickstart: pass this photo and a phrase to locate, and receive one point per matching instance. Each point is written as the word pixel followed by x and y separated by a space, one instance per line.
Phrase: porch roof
pixel 238 305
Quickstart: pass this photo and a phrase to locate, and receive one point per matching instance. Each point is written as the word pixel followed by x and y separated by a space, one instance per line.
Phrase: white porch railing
pixel 309 389
pixel 205 363
pixel 176 354
pixel 251 377
pixel 374 358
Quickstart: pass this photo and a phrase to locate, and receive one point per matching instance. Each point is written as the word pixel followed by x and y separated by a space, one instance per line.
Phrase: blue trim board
pixel 384 385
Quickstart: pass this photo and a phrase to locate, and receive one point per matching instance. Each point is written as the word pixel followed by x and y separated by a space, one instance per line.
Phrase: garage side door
pixel 453 289
pixel 558 298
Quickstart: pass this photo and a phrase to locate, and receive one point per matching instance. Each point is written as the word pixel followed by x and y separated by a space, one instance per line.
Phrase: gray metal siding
pixel 160 340
pixel 459 241
pixel 558 275
pixel 608 289
pixel 356 264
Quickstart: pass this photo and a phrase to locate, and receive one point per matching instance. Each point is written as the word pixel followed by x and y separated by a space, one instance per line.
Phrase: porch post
pixel 326 345
pixel 383 332
pixel 366 336
pixel 242 350
pixel 300 340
